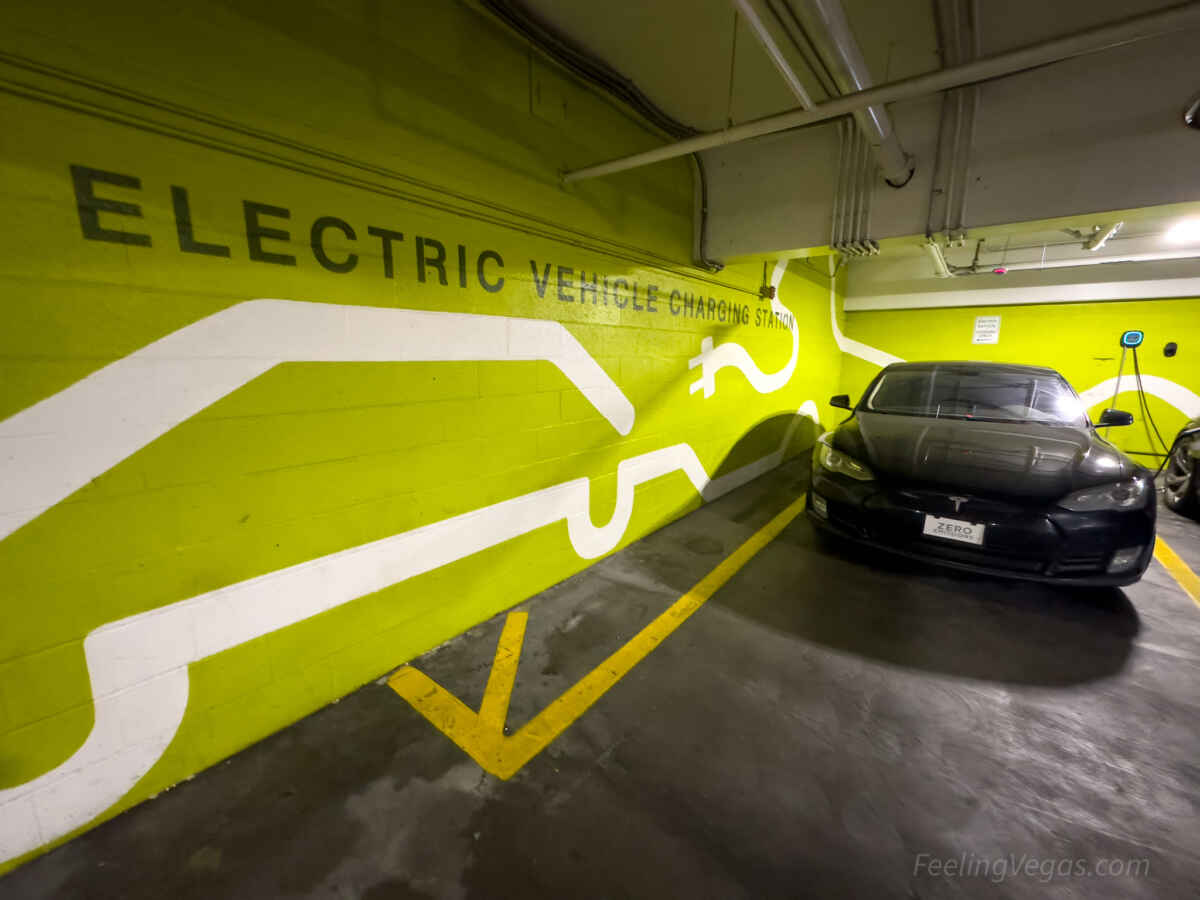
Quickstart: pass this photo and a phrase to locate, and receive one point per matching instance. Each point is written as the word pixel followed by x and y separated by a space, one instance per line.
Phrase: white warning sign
pixel 987 330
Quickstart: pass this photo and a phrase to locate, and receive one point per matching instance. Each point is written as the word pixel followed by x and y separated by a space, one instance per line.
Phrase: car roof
pixel 965 365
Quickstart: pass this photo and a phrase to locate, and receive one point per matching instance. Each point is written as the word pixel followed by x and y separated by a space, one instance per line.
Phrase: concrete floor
pixel 822 722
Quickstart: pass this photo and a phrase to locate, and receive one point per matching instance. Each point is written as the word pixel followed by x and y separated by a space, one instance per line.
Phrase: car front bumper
pixel 1047 544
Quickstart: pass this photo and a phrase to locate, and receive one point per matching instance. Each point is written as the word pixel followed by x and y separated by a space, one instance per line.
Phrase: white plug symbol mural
pixel 138 666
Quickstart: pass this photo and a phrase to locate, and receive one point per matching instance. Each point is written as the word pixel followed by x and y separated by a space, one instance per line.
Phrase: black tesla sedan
pixel 988 467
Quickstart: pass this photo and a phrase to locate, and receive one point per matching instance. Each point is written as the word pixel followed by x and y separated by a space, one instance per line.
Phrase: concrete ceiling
pixel 1067 142
pixel 1040 262
pixel 683 54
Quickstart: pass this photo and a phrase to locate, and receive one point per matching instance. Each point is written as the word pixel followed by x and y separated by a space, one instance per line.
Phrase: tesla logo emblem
pixel 958 502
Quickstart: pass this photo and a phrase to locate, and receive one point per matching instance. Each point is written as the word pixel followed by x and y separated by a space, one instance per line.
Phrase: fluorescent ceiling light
pixel 1186 231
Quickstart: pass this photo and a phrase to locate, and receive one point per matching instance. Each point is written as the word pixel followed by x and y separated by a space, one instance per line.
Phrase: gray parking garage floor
pixel 826 725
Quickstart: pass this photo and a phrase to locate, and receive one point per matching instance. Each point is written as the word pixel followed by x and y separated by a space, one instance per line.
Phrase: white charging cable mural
pixel 138 666
pixel 848 345
pixel 1178 396
pixel 729 354
pixel 58 445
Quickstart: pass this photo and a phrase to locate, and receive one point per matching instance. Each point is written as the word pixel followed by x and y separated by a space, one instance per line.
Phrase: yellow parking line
pixel 481 734
pixel 493 711
pixel 1188 580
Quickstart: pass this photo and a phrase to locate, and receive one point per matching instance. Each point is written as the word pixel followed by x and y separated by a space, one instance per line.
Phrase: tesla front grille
pixel 1081 564
pixel 983 558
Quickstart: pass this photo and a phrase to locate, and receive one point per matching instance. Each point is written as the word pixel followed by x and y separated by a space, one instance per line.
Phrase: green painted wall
pixel 1077 339
pixel 426 119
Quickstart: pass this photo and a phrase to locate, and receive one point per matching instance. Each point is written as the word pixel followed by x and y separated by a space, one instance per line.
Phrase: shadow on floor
pixel 905 613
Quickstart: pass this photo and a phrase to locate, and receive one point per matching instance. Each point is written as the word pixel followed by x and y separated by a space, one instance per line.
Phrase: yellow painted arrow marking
pixel 481 735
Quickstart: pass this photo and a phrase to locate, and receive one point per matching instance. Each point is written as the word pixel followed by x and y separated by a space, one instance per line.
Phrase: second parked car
pixel 1181 481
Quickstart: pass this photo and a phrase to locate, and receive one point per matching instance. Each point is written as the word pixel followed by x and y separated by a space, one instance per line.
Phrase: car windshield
pixel 961 392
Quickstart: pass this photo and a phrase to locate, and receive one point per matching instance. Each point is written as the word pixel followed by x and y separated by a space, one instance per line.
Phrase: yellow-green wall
pixel 1080 340
pixel 426 119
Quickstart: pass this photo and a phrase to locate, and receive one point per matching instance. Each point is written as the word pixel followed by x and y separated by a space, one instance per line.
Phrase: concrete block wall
pixel 1081 340
pixel 309 363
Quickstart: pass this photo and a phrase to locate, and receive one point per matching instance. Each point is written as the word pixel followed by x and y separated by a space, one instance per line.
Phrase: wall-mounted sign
pixel 433 259
pixel 987 330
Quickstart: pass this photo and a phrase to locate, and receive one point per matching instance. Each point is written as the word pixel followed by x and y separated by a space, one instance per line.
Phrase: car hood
pixel 1026 460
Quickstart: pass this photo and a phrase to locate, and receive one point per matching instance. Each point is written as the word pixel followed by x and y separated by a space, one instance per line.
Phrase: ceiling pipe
pixel 866 178
pixel 938 258
pixel 854 183
pixel 1102 236
pixel 1164 21
pixel 958 30
pixel 838 228
pixel 852 194
pixel 824 22
pixel 1036 257
pixel 763 35
pixel 1077 261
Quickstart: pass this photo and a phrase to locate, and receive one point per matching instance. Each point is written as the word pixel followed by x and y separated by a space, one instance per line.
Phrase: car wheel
pixel 1180 481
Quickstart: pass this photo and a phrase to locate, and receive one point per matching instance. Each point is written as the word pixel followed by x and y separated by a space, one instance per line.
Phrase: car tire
pixel 1181 481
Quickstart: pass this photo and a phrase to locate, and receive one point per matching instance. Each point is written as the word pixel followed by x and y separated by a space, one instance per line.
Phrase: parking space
pixel 826 724
pixel 1182 536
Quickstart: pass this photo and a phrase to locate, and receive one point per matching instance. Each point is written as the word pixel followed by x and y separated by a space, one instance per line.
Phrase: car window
pixel 986 394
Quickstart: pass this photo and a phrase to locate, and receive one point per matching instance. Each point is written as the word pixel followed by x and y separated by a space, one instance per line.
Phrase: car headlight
pixel 838 462
pixel 1122 495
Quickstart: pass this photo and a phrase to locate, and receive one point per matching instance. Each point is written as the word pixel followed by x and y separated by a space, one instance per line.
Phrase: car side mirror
pixel 1111 417
pixel 841 401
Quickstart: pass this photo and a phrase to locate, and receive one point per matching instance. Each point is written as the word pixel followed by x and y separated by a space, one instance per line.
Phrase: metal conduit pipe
pixel 867 176
pixel 851 185
pixel 852 192
pixel 847 185
pixel 869 246
pixel 824 22
pixel 862 245
pixel 839 194
pixel 763 35
pixel 1075 262
pixel 1165 21
pixel 850 222
pixel 856 214
pixel 846 180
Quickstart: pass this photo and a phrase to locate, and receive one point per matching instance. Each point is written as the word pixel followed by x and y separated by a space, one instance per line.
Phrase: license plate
pixel 954 530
